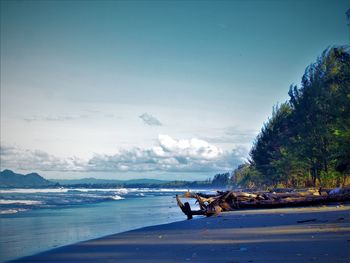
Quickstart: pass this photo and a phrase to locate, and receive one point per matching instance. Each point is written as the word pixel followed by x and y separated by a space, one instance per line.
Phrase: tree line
pixel 306 141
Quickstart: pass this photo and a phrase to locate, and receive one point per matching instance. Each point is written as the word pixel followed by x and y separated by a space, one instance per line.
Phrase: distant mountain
pixel 86 181
pixel 9 178
pixel 94 181
pixel 145 181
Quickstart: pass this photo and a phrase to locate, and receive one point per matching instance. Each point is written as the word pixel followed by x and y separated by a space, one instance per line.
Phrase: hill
pixel 9 178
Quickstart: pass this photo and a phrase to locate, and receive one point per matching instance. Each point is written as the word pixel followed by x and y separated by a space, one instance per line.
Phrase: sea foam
pixel 22 202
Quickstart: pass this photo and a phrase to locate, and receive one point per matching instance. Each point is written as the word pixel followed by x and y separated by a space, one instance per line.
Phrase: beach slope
pixel 312 234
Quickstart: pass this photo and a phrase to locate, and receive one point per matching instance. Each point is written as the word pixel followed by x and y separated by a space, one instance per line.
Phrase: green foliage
pixel 306 142
pixel 247 175
pixel 221 179
pixel 269 152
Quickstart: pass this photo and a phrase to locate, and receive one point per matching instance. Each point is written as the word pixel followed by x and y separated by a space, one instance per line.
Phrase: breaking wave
pixel 19 199
pixel 11 211
pixel 117 197
pixel 24 202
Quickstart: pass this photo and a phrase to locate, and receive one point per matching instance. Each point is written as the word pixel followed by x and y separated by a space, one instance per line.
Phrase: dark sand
pixel 269 235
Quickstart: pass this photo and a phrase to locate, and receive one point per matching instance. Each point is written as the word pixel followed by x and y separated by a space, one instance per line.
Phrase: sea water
pixel 36 220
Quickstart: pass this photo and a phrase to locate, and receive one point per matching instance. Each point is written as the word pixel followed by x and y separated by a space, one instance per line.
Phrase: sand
pixel 268 235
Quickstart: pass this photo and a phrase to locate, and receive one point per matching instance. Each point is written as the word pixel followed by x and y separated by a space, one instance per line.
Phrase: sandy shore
pixel 273 235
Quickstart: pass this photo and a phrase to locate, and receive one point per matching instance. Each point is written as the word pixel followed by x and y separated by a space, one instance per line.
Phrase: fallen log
pixel 186 209
pixel 233 200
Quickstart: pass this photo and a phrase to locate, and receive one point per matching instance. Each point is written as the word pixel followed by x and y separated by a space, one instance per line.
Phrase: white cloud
pixel 55 118
pixel 169 155
pixel 150 120
pixel 32 160
pixel 193 148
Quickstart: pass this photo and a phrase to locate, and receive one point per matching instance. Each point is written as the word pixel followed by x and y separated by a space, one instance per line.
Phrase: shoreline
pixel 318 234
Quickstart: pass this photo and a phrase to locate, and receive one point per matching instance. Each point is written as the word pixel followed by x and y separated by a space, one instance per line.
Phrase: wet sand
pixel 312 234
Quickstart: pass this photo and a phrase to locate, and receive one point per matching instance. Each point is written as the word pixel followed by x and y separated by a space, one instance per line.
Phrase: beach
pixel 310 234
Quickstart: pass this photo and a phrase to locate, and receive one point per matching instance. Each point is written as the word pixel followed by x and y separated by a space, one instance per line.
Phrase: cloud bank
pixel 68 117
pixel 17 158
pixel 150 120
pixel 58 118
pixel 168 155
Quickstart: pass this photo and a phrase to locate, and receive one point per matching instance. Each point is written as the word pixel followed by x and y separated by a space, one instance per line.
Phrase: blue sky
pixel 163 89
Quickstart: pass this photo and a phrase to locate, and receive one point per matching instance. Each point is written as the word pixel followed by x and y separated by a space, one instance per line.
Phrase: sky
pixel 156 89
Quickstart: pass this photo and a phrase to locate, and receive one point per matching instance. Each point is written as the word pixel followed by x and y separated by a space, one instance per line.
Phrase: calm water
pixel 33 221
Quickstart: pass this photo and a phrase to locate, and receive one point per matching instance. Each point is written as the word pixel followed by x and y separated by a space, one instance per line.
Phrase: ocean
pixel 36 220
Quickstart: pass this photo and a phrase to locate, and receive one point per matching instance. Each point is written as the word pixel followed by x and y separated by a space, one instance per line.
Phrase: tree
pixel 270 151
pixel 321 112
pixel 307 139
pixel 221 179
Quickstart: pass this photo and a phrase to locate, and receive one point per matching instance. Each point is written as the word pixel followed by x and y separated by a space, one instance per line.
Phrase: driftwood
pixel 233 200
